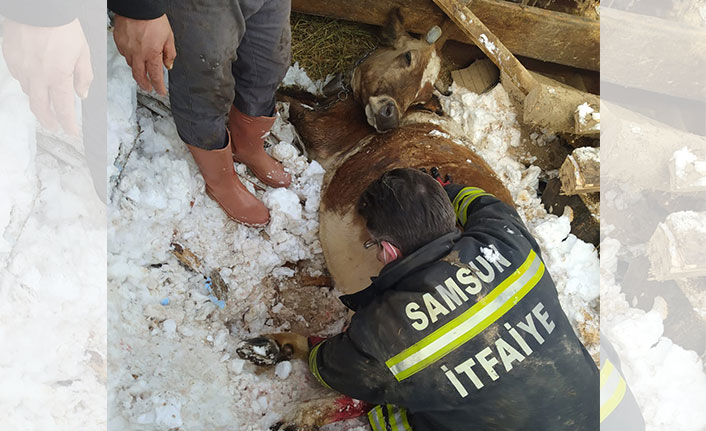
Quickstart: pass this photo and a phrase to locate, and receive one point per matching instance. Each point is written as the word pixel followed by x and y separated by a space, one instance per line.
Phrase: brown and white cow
pixel 343 138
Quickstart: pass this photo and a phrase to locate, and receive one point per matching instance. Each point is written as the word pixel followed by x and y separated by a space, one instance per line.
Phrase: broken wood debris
pixel 676 248
pixel 193 263
pixel 581 172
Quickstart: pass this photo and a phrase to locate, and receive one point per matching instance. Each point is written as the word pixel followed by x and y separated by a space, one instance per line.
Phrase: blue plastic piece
pixel 164 301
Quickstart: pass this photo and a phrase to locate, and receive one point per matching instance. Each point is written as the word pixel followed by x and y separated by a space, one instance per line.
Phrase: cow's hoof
pixel 260 351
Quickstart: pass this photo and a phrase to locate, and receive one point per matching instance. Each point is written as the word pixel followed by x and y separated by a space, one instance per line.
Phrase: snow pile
pixel 588 116
pixel 488 124
pixel 658 371
pixel 52 281
pixel 172 355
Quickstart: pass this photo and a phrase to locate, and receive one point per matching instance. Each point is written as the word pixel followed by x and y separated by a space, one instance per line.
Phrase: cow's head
pixel 396 76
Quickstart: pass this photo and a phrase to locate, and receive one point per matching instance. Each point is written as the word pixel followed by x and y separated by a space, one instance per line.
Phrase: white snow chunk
pixel 283 369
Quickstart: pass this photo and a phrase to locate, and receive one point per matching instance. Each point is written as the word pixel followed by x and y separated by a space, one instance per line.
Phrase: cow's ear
pixel 393 33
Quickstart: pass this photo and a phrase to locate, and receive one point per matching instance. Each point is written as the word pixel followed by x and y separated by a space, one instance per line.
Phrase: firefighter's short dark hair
pixel 407 208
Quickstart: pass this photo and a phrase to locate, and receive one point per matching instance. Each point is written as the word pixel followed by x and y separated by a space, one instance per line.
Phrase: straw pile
pixel 324 46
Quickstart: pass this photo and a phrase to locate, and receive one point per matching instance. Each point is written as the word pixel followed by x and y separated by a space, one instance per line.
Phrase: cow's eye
pixel 408 57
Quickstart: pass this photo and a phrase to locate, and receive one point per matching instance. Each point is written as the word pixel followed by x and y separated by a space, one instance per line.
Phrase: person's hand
pixel 51 64
pixel 146 45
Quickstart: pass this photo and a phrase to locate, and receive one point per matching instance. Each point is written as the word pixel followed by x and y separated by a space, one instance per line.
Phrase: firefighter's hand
pixel 434 172
pixel 51 64
pixel 146 45
pixel 270 349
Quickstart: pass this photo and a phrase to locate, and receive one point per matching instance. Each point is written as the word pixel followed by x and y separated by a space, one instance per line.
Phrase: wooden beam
pixel 665 57
pixel 531 32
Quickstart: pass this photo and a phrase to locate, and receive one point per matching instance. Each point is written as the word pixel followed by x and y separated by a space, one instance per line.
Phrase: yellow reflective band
pixel 314 366
pixel 470 323
pixel 613 402
pixel 613 389
pixel 375 417
pixel 606 371
pixel 463 212
pixel 462 194
pixel 391 418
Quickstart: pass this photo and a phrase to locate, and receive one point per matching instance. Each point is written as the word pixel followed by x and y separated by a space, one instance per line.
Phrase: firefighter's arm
pixel 473 206
pixel 342 363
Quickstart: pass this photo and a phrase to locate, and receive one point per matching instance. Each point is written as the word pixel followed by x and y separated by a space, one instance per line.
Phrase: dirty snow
pixel 52 280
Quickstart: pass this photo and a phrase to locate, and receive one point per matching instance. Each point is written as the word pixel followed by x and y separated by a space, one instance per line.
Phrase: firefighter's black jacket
pixel 465 333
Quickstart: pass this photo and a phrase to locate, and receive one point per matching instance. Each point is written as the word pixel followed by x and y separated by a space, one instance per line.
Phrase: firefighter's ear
pixel 390 253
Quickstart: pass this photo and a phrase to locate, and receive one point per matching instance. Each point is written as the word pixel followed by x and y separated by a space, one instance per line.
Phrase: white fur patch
pixel 431 73
pixel 370 115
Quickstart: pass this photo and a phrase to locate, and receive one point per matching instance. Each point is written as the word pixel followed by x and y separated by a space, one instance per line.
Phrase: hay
pixel 324 46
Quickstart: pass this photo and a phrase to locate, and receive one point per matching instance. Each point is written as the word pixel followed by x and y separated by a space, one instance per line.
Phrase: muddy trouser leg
pixel 201 86
pixel 264 54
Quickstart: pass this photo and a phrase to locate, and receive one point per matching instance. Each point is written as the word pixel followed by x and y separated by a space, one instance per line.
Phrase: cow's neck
pixel 328 133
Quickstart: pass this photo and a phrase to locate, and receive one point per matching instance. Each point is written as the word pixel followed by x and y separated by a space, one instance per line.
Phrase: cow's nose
pixel 389 110
pixel 387 117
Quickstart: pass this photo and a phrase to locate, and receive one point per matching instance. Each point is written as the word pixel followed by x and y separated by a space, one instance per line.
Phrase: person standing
pixel 225 61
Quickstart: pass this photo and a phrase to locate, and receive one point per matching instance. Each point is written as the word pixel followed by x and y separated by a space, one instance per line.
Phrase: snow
pixel 52 278
pixel 490 46
pixel 283 369
pixel 297 77
pixel 173 364
pixel 586 113
pixel 688 168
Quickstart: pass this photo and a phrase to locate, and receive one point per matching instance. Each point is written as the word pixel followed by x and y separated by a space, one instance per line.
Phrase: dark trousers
pixel 229 52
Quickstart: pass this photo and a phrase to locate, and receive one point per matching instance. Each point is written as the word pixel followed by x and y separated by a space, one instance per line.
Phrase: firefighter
pixel 462 329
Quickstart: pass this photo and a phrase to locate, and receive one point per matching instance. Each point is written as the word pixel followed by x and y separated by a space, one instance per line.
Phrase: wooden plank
pixel 649 53
pixel 530 32
pixel 581 172
pixel 478 77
